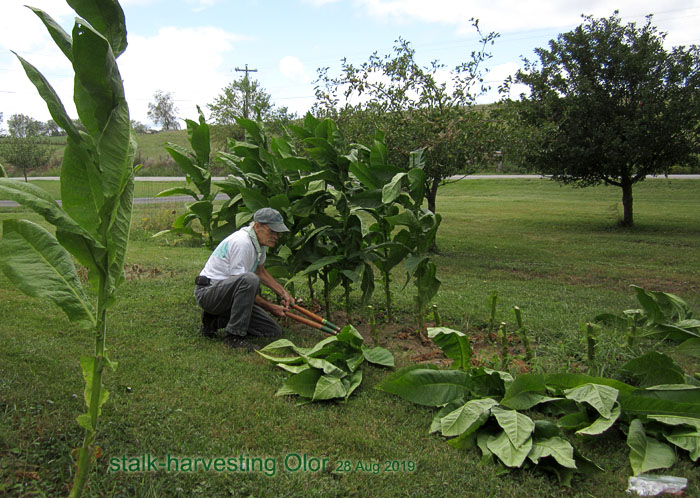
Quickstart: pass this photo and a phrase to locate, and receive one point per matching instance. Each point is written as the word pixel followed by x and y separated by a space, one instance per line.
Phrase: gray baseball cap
pixel 272 218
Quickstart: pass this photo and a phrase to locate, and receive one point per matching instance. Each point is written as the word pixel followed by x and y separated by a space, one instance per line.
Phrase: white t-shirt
pixel 236 254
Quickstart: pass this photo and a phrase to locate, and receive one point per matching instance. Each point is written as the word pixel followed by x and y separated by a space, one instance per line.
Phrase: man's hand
pixel 287 300
pixel 277 310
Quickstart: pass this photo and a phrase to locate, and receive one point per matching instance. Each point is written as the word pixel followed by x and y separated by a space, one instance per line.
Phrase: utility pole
pixel 247 88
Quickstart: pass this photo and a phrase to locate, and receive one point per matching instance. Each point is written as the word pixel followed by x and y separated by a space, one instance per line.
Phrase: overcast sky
pixel 193 48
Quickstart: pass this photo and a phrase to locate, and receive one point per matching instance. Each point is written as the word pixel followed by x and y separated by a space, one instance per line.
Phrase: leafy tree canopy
pixel 163 111
pixel 22 126
pixel 608 103
pixel 415 107
pixel 247 98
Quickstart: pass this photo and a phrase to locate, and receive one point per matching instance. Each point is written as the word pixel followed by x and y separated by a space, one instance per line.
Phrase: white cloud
pixel 677 16
pixel 187 62
pixel 319 3
pixel 292 68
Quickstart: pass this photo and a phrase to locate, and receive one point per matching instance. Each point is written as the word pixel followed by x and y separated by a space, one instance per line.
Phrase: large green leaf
pixel 350 336
pixel 187 163
pixel 33 260
pixel 378 356
pixel 56 108
pixel 355 381
pixel 302 384
pixel 558 448
pixel 107 17
pixel 468 418
pixel 685 435
pixel 329 387
pixel 59 36
pixel 118 232
pixel 503 448
pixel 654 368
pixel 601 424
pixel 178 191
pixel 82 195
pixel 526 391
pixel 426 386
pixel 98 80
pixel 198 134
pixel 646 453
pixel 326 367
pixel 517 426
pixel 600 397
pixel 454 344
pixel 391 190
pixel 37 199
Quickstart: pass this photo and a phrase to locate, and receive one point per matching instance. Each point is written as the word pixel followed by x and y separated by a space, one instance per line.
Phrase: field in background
pixel 554 251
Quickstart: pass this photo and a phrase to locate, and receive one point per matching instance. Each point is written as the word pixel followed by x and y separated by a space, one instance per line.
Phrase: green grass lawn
pixel 554 251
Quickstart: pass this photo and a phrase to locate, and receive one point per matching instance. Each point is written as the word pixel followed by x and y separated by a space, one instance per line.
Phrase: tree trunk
pixel 431 195
pixel 627 207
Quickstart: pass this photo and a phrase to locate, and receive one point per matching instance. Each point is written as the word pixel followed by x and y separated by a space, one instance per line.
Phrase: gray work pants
pixel 235 298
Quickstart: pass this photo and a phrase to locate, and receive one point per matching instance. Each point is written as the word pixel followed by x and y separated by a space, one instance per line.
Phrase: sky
pixel 194 48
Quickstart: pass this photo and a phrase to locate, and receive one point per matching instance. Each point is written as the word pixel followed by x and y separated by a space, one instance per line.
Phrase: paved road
pixel 184 198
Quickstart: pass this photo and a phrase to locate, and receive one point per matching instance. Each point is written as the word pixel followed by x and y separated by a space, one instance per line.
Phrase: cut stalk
pixel 373 325
pixel 590 340
pixel 522 333
pixel 632 331
pixel 493 300
pixel 502 338
pixel 436 316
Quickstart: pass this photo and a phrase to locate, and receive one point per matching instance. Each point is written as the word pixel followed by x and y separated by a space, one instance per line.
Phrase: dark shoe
pixel 238 342
pixel 209 324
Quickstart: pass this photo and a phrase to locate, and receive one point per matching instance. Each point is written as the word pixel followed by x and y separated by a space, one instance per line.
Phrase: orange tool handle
pixel 308 313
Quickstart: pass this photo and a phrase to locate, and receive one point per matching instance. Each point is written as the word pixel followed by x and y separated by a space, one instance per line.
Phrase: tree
pixel 163 111
pixel 415 110
pixel 241 98
pixel 52 129
pixel 608 103
pixel 139 127
pixel 22 126
pixel 24 153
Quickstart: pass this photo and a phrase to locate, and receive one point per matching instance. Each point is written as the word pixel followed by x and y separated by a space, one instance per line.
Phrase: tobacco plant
pixel 92 223
pixel 331 369
pixel 215 222
pixel 662 314
pixel 483 408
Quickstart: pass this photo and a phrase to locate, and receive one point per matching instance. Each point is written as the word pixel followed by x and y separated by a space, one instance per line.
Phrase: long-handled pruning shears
pixel 315 321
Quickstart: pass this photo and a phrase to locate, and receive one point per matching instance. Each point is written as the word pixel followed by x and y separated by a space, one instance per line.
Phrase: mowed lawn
pixel 554 251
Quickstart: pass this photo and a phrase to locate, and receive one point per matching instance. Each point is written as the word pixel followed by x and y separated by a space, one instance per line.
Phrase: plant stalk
pixel 387 295
pixel 86 452
pixel 502 337
pixel 522 333
pixel 436 316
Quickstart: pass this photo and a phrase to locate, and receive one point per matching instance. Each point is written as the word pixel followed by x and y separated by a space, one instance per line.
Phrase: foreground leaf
pixel 601 424
pixel 467 418
pixel 34 260
pixel 503 448
pixel 646 452
pixel 454 344
pixel 378 356
pixel 558 448
pixel 328 387
pixel 517 426
pixel 525 392
pixel 426 386
pixel 600 397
